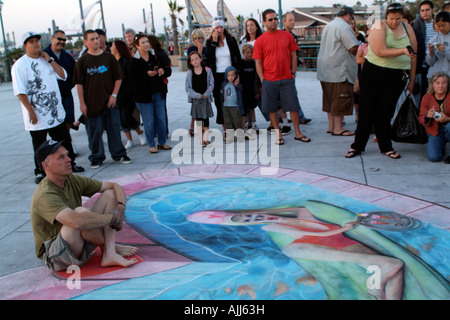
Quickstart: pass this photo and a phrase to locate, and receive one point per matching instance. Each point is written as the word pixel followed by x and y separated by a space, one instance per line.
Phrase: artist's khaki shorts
pixel 338 98
pixel 58 257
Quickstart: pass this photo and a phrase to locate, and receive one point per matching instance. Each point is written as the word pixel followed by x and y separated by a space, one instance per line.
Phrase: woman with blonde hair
pixel 435 116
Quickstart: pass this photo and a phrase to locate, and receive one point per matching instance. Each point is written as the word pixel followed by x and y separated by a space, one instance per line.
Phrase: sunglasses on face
pixel 272 19
pixel 61 39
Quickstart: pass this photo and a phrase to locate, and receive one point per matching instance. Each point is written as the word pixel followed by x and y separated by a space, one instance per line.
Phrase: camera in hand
pixel 437 115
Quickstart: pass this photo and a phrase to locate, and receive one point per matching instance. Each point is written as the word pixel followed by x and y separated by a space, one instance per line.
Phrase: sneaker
pixel 39 178
pixel 77 168
pixel 124 160
pixel 95 164
pixel 285 130
pixel 305 120
pixel 129 144
pixel 142 139
pixel 248 135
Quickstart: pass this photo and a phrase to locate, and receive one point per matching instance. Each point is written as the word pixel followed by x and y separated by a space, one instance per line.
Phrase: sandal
pixel 303 139
pixel 345 133
pixel 191 132
pixel 153 150
pixel 164 147
pixel 352 154
pixel 392 154
pixel 206 144
pixel 279 142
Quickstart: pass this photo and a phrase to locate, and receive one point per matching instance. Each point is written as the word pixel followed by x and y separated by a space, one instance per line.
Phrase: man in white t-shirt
pixel 35 82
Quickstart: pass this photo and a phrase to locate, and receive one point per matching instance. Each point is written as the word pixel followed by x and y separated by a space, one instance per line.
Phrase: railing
pixel 309 55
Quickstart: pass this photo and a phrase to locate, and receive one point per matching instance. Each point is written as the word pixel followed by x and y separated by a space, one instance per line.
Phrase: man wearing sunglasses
pixel 56 51
pixel 275 54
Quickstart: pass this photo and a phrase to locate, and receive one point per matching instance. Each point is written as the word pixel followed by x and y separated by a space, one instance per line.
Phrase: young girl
pixel 439 47
pixel 199 87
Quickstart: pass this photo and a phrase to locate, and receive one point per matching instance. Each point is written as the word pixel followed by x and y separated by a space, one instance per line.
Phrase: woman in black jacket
pixel 222 51
pixel 148 75
pixel 125 97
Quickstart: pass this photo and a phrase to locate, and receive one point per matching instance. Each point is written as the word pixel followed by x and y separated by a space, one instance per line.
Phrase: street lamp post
pixel 166 35
pixel 8 66
pixel 280 14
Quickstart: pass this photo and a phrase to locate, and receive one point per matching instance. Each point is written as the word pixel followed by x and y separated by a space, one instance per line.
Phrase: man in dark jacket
pixel 424 23
pixel 65 60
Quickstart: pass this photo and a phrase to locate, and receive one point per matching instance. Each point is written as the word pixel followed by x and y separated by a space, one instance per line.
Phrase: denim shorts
pixel 58 257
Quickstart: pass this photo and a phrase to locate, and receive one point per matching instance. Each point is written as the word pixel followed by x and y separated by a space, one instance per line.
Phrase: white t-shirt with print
pixel 37 79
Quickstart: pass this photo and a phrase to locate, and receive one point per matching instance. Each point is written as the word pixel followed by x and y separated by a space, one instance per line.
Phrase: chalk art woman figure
pixel 305 237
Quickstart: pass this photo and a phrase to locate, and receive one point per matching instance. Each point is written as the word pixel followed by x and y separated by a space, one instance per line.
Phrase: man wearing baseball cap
pixel 337 70
pixel 35 82
pixel 66 233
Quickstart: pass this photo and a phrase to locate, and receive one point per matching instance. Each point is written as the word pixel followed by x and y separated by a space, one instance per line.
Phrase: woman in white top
pixel 438 54
pixel 222 51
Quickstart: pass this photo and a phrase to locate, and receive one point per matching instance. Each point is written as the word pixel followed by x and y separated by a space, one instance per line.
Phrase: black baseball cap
pixel 345 10
pixel 47 148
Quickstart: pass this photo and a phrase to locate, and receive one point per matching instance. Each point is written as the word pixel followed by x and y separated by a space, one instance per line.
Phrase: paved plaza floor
pixel 182 257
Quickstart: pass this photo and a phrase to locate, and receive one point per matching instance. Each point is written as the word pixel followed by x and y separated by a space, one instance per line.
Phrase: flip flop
pixel 392 154
pixel 303 139
pixel 352 154
pixel 279 142
pixel 342 134
pixel 164 147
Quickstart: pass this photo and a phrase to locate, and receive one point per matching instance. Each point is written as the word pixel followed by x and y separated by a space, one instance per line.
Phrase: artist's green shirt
pixel 50 199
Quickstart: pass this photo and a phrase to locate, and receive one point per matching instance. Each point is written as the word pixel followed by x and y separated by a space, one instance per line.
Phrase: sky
pixel 20 16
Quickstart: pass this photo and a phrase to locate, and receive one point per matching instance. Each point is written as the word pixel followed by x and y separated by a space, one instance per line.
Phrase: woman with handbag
pixel 435 116
pixel 149 89
pixel 222 51
pixel 389 64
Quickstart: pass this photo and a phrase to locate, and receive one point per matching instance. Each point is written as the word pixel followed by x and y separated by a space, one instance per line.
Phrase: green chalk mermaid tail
pixel 343 280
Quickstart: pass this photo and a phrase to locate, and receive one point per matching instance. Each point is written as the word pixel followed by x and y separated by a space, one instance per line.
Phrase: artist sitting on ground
pixel 66 233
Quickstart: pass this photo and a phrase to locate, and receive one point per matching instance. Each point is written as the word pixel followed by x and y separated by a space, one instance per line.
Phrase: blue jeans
pixel 110 121
pixel 154 115
pixel 436 144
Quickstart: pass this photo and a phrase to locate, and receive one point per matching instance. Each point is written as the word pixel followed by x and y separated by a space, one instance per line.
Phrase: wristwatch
pixel 114 95
pixel 51 60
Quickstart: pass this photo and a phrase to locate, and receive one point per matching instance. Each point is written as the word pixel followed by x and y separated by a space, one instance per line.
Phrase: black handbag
pixel 406 127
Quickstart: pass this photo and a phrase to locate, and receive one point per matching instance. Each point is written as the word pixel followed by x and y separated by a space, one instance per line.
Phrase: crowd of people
pixel 398 54
pixel 124 84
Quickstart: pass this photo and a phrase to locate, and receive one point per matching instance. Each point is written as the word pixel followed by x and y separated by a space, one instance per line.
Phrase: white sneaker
pixel 142 139
pixel 74 147
pixel 129 144
pixel 248 136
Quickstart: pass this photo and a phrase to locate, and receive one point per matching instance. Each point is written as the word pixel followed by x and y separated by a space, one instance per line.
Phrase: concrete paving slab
pixel 411 185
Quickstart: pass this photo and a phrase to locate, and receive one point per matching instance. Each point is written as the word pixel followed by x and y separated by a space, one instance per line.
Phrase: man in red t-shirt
pixel 275 53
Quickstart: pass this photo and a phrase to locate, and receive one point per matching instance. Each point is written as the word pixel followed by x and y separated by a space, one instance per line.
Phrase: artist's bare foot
pixel 126 251
pixel 114 260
